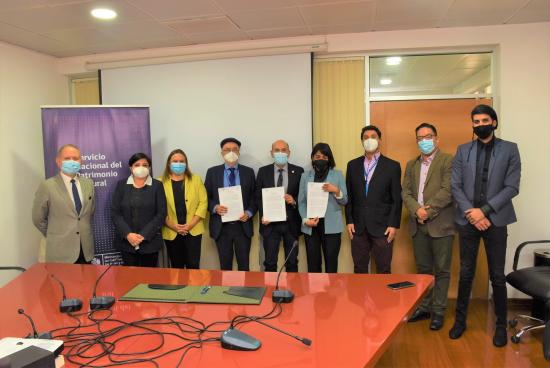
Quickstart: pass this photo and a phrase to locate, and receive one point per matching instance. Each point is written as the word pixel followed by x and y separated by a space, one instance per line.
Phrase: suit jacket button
pixel 77 233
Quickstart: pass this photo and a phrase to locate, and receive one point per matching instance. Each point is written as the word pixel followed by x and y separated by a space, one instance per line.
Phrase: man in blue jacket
pixel 485 178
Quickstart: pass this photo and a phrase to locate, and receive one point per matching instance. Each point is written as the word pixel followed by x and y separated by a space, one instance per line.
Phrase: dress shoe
pixel 501 337
pixel 457 330
pixel 437 322
pixel 419 315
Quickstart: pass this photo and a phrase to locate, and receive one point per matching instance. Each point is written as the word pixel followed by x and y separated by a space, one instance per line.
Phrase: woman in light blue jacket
pixel 323 233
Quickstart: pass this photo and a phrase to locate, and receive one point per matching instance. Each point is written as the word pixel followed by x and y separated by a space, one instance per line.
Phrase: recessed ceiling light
pixel 385 81
pixel 393 60
pixel 103 13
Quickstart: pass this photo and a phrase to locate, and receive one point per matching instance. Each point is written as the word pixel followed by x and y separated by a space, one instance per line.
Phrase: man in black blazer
pixel 280 173
pixel 373 212
pixel 234 234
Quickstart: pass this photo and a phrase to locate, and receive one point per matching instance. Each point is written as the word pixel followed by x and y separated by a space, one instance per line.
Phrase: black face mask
pixel 483 131
pixel 320 165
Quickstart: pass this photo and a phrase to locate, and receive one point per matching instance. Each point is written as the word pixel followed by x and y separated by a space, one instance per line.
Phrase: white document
pixel 232 198
pixel 273 203
pixel 317 200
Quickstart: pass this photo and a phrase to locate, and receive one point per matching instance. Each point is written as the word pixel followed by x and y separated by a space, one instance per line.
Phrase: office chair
pixel 12 268
pixel 535 282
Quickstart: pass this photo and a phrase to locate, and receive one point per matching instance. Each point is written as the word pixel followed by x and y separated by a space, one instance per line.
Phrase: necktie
pixel 280 178
pixel 231 176
pixel 76 197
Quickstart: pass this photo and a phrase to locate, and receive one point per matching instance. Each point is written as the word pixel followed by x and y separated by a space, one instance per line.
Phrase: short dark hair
pixel 229 140
pixel 324 148
pixel 371 127
pixel 138 156
pixel 484 109
pixel 425 125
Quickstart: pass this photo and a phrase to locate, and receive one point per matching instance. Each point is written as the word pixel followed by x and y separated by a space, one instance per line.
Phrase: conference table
pixel 350 318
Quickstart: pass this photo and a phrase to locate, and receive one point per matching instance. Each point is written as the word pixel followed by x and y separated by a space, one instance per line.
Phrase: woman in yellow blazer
pixel 187 202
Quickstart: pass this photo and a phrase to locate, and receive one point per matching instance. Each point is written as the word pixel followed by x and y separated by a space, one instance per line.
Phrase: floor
pixel 415 345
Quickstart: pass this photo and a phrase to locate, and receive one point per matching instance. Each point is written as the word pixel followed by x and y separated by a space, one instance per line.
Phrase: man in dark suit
pixel 373 211
pixel 280 174
pixel 235 234
pixel 486 176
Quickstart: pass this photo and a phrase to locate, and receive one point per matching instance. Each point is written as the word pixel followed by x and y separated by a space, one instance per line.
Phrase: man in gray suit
pixel 63 208
pixel 485 178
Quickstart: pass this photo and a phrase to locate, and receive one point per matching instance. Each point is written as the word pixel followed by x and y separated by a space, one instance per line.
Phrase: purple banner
pixel 107 137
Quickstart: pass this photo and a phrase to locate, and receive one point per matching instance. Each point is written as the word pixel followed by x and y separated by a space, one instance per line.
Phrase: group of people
pixel 470 193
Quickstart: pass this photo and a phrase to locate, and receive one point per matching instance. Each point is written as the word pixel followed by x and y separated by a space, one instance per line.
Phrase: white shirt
pixel 148 181
pixel 69 186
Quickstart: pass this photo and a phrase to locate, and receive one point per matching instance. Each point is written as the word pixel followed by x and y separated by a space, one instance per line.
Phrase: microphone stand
pixel 281 295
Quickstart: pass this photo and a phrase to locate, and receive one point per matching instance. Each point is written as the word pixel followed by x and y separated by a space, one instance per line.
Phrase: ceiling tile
pixel 278 32
pixel 244 5
pixel 265 19
pixel 146 31
pixel 394 26
pixel 317 2
pixel 405 10
pixel 19 4
pixel 492 10
pixel 182 9
pixel 218 37
pixel 29 40
pixel 142 44
pixel 73 38
pixel 340 28
pixel 534 11
pixel 77 15
pixel 207 25
pixel 335 14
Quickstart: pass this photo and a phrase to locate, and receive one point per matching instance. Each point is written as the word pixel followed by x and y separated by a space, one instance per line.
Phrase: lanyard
pixel 367 172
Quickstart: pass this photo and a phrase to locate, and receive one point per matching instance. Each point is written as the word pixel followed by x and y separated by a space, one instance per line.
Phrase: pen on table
pixel 205 289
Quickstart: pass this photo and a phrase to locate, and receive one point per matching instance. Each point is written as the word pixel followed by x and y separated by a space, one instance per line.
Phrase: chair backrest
pixel 12 268
pixel 521 246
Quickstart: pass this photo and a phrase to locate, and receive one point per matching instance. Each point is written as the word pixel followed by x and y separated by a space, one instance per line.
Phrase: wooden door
pixel 397 121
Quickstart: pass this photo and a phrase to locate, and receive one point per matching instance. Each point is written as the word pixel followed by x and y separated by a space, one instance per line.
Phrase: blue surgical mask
pixel 70 167
pixel 280 158
pixel 178 168
pixel 426 146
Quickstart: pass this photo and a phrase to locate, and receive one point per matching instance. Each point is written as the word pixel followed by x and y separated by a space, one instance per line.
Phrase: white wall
pixel 523 104
pixel 27 80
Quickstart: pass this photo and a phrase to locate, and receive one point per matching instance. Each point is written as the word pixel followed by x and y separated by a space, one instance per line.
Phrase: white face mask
pixel 140 172
pixel 231 157
pixel 370 145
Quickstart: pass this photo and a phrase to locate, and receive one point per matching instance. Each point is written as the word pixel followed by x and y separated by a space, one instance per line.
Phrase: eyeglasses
pixel 422 137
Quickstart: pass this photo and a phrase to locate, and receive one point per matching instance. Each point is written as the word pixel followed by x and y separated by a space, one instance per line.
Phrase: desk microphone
pixel 35 334
pixel 234 339
pixel 67 305
pixel 283 296
pixel 101 302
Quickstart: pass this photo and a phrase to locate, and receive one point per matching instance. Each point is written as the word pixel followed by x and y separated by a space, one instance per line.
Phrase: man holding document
pixel 277 188
pixel 230 188
pixel 320 200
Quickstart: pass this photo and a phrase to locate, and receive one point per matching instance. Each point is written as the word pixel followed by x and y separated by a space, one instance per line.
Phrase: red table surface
pixel 350 318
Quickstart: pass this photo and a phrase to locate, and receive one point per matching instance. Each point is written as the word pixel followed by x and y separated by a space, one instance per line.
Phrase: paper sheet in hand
pixel 232 198
pixel 317 200
pixel 273 204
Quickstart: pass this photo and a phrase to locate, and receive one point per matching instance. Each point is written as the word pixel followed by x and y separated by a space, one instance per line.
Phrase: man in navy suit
pixel 373 212
pixel 485 178
pixel 235 236
pixel 280 174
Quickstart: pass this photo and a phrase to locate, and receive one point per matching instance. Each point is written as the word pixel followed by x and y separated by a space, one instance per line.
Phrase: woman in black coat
pixel 138 209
